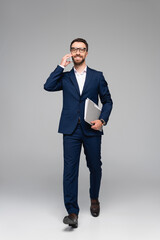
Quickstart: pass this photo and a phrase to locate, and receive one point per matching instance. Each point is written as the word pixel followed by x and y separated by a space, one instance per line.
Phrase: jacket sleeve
pixel 54 81
pixel 105 98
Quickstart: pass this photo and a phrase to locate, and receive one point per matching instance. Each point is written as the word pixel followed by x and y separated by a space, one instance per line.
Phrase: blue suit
pixel 77 134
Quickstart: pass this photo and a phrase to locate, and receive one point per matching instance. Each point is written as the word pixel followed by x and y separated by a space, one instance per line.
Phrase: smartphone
pixel 69 59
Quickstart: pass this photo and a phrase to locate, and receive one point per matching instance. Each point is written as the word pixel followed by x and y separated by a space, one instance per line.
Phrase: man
pixel 78 84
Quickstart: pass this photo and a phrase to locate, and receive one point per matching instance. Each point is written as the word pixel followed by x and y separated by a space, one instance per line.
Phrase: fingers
pixel 94 127
pixel 94 121
pixel 96 124
pixel 67 56
pixel 64 61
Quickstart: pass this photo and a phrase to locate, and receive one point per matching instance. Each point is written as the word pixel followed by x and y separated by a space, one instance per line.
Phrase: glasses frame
pixel 81 50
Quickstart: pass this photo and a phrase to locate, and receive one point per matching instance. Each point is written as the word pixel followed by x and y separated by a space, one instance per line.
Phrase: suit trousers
pixel 72 144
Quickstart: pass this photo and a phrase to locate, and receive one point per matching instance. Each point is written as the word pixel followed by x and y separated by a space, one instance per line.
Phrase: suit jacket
pixel 95 86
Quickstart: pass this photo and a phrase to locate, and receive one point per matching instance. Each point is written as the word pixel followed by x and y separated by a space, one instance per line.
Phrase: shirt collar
pixel 84 71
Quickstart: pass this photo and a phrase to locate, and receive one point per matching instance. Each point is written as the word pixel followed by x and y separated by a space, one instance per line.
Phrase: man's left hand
pixel 97 124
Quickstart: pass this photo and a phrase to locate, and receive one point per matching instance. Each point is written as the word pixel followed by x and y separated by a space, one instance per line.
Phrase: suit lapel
pixel 87 80
pixel 74 80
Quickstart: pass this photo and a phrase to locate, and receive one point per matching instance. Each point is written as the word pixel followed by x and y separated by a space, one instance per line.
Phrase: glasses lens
pixel 73 50
pixel 81 50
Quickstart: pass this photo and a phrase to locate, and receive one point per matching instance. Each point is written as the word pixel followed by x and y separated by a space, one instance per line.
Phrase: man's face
pixel 78 56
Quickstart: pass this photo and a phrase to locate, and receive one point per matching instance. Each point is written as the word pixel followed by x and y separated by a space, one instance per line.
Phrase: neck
pixel 80 68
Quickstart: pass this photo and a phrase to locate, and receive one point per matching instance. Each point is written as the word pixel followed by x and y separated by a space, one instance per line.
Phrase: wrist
pixel 61 66
pixel 103 122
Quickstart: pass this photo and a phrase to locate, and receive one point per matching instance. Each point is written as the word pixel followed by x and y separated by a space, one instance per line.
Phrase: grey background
pixel 123 37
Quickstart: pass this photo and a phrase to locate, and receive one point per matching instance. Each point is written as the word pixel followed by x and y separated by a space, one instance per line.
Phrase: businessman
pixel 77 85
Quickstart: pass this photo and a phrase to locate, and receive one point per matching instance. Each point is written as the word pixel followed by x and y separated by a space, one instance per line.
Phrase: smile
pixel 78 57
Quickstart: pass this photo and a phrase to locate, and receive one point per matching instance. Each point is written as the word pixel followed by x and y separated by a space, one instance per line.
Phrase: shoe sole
pixel 73 225
pixel 70 222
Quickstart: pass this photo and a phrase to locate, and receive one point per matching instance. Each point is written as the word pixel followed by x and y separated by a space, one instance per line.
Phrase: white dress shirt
pixel 81 77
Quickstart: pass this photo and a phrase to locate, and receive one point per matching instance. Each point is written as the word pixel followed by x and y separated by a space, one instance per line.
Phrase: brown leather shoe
pixel 95 207
pixel 72 220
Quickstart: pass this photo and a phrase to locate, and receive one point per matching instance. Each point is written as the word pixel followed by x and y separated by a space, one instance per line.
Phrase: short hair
pixel 80 40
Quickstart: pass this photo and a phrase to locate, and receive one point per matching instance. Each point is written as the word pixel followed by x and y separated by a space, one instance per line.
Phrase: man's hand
pixel 97 124
pixel 64 61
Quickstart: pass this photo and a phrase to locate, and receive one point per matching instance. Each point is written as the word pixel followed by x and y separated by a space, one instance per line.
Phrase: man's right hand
pixel 64 61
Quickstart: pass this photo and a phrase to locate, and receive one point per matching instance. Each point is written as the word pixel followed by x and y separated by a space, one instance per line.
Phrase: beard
pixel 79 62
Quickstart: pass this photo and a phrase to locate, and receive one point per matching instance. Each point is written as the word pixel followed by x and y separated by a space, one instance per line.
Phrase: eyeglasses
pixel 81 50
